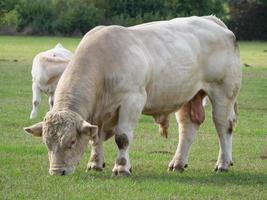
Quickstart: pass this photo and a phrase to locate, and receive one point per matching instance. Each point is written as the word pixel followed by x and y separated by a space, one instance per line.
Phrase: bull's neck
pixel 75 103
pixel 77 92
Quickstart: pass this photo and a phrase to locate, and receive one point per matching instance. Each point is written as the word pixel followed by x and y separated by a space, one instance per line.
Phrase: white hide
pixel 154 69
pixel 158 68
pixel 47 68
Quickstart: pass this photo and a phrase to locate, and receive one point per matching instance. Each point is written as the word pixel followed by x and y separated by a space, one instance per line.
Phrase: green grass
pixel 24 161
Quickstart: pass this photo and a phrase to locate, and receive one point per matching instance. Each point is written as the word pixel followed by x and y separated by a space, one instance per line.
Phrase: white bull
pixel 47 68
pixel 158 68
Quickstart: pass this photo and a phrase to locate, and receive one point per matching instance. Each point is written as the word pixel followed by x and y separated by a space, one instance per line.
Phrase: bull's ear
pixel 91 130
pixel 35 130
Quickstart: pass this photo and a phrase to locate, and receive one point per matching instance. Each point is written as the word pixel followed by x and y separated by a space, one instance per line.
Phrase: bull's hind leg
pixel 129 113
pixel 51 101
pixel 36 99
pixel 189 118
pixel 224 118
pixel 163 121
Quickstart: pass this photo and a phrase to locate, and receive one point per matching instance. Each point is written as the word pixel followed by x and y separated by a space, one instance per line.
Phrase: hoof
pixel 121 173
pixel 92 166
pixel 220 169
pixel 121 168
pixel 33 115
pixel 178 168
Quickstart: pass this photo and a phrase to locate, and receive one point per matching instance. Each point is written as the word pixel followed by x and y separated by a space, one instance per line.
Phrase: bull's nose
pixel 61 171
pixel 58 172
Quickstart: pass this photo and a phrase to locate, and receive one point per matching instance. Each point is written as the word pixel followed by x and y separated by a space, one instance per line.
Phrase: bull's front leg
pixel 129 113
pixel 122 165
pixel 96 161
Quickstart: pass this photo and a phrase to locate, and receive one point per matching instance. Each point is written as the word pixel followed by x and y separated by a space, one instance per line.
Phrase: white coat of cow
pixel 158 68
pixel 47 68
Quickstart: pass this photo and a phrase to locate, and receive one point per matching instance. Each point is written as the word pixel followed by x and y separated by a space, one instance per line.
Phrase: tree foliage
pixel 249 19
pixel 36 14
pixel 75 17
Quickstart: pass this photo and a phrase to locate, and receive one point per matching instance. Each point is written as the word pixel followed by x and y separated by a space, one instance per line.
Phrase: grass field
pixel 24 161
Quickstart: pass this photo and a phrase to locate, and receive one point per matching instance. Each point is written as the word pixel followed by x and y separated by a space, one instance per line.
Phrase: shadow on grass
pixel 264 155
pixel 193 178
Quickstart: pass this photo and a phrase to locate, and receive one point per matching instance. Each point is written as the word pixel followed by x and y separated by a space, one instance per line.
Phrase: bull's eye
pixel 72 144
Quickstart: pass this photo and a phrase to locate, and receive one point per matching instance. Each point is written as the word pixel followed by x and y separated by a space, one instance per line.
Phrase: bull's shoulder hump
pixel 104 33
pixel 94 30
pixel 100 30
pixel 113 30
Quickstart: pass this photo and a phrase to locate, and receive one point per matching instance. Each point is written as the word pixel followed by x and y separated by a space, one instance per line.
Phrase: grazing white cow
pixel 158 68
pixel 47 68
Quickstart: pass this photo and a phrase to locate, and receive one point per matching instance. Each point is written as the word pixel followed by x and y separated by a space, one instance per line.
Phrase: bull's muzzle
pixel 61 171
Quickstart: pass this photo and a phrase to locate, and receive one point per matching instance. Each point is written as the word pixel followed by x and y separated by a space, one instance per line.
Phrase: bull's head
pixel 66 136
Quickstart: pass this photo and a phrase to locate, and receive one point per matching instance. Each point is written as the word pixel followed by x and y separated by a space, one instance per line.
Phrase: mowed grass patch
pixel 24 162
pixel 254 54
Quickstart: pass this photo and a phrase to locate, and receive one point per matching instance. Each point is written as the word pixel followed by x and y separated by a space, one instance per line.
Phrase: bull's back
pixel 187 54
pixel 169 59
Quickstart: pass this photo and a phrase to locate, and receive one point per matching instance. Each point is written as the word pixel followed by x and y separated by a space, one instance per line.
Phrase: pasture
pixel 24 160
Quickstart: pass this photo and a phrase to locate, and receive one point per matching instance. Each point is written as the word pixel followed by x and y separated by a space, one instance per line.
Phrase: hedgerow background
pixel 247 18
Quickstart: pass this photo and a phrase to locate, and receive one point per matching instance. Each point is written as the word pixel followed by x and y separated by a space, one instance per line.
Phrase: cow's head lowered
pixel 66 136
